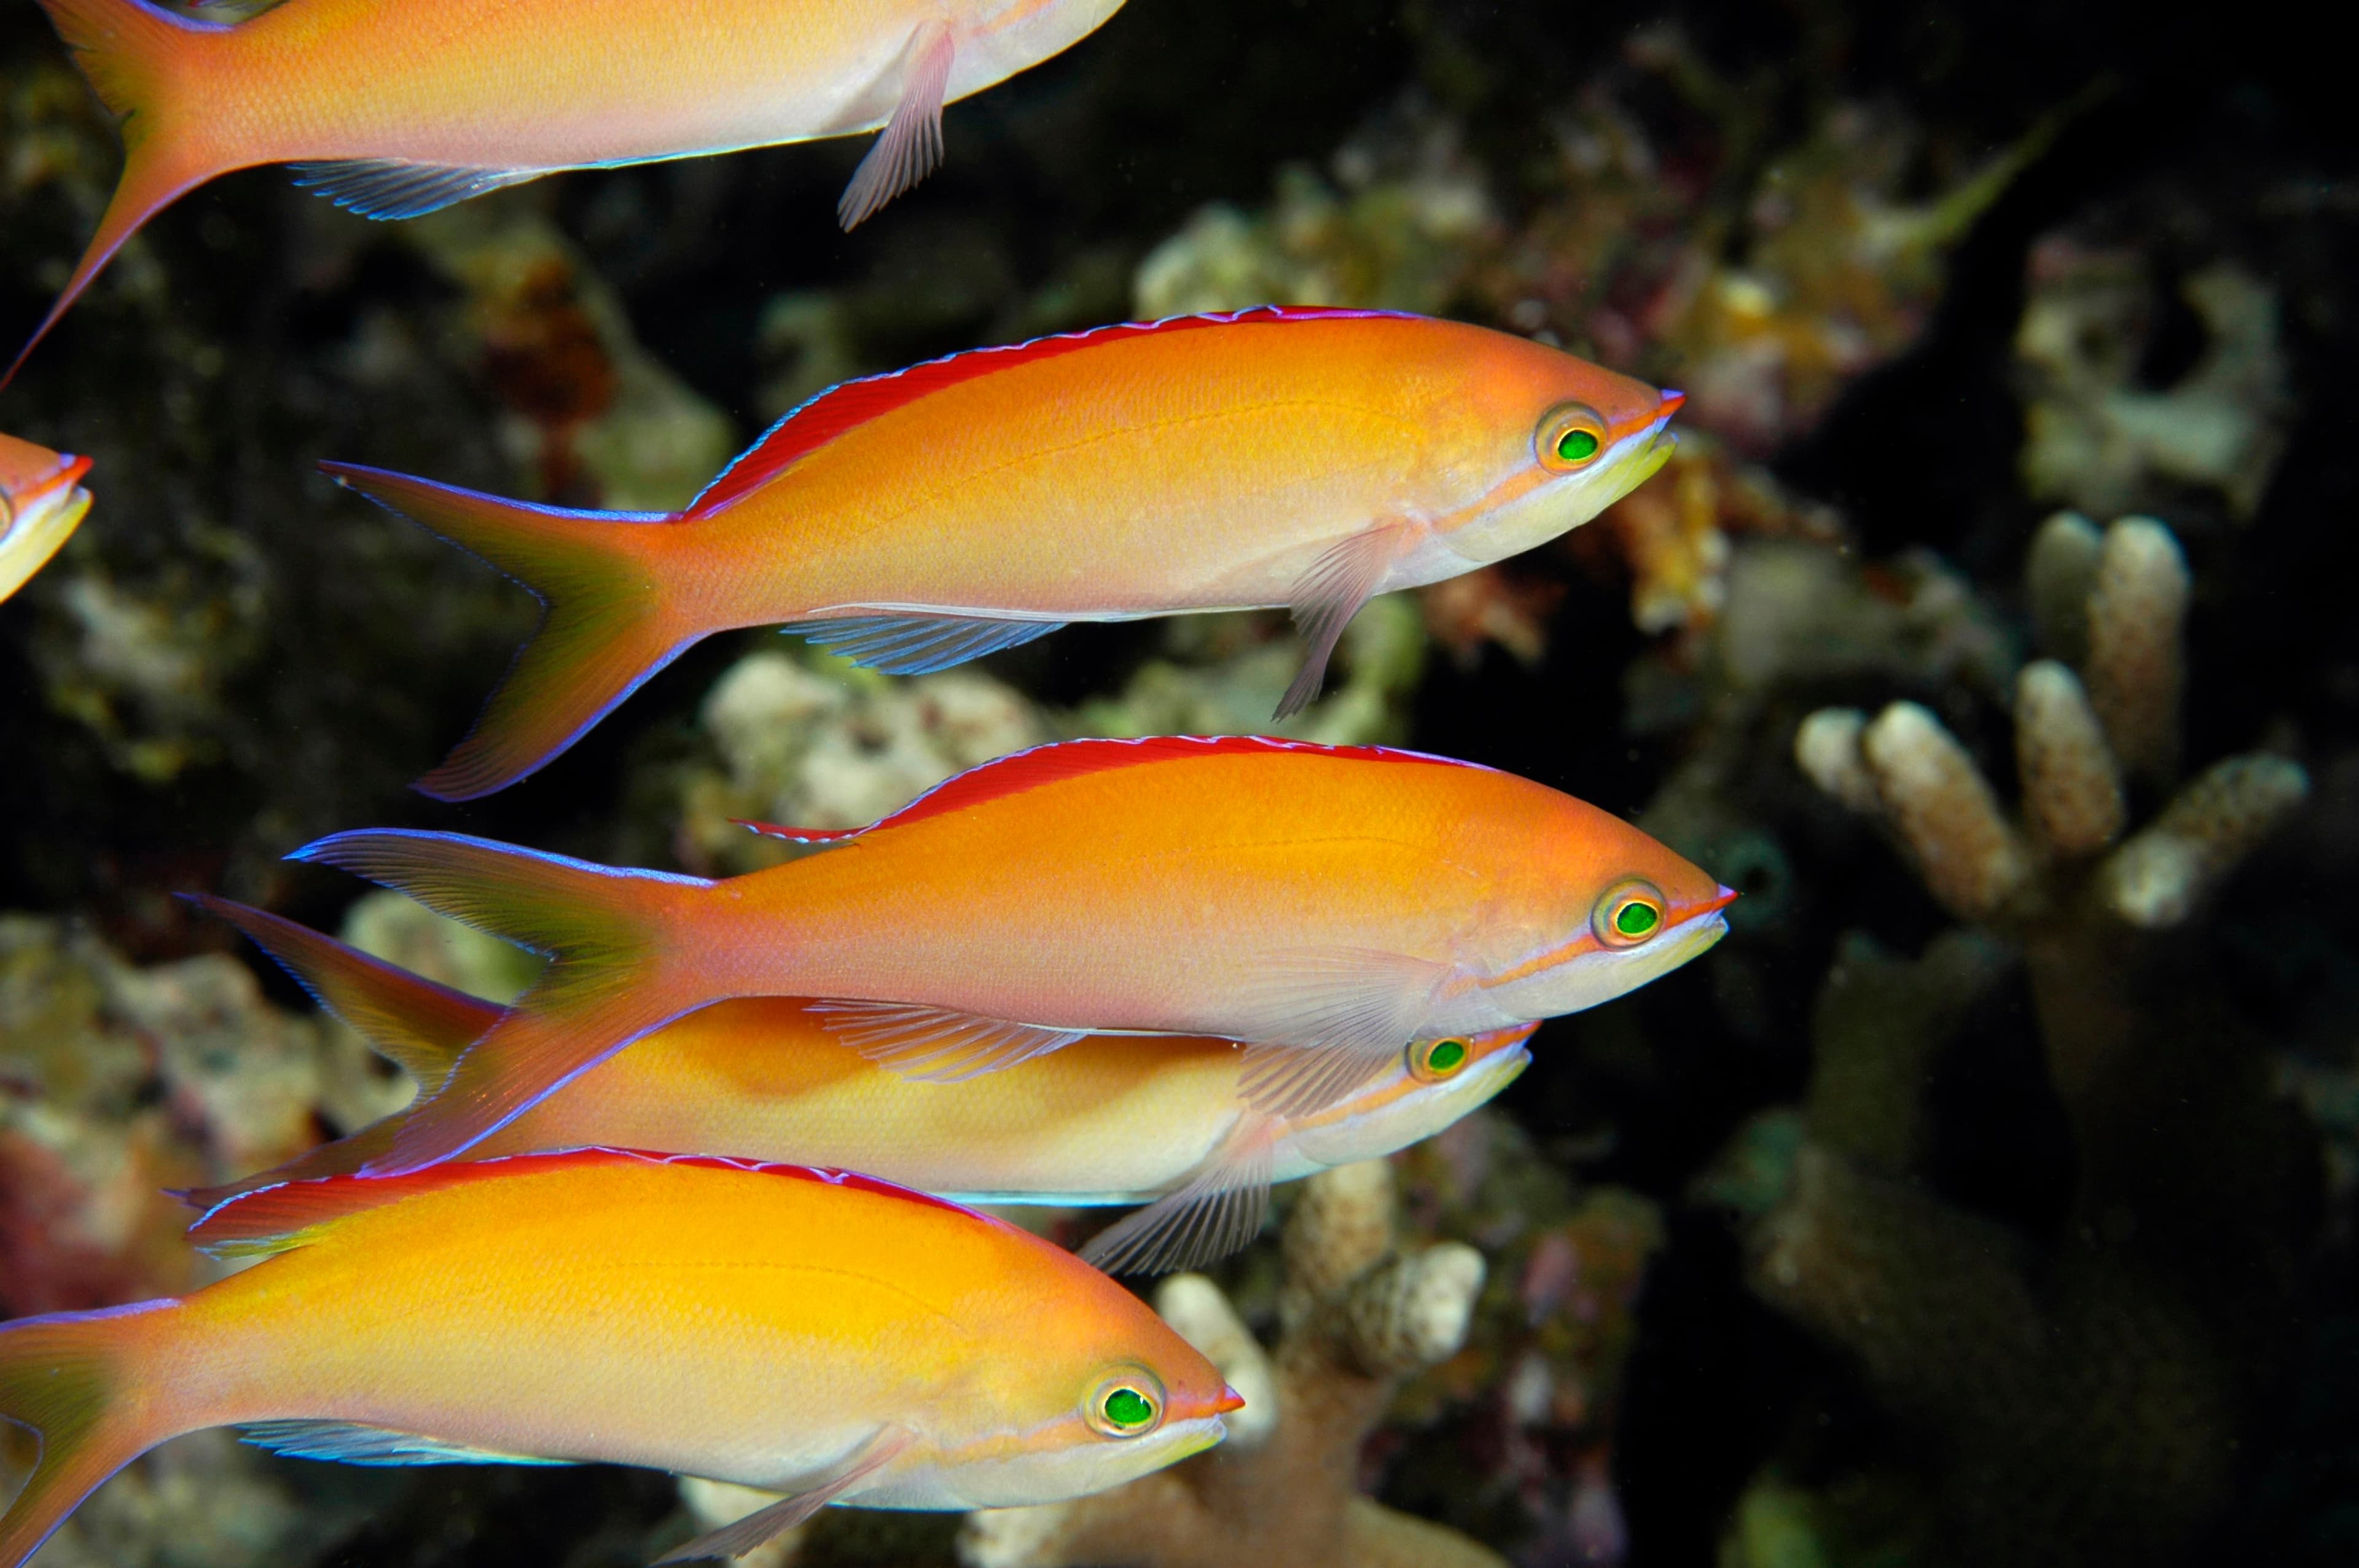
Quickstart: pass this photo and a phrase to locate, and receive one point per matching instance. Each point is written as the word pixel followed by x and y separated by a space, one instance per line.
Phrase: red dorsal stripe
pixel 1020 770
pixel 839 408
pixel 251 1221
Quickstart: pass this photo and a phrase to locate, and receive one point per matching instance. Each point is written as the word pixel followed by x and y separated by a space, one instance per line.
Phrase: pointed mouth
pixel 58 480
pixel 1230 1400
pixel 1719 901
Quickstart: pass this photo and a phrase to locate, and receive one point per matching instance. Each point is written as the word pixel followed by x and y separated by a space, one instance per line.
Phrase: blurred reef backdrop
pixel 1986 1196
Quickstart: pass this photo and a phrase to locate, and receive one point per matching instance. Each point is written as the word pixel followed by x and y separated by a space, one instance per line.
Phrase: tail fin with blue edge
pixel 610 621
pixel 616 939
pixel 149 68
pixel 406 1018
pixel 83 1383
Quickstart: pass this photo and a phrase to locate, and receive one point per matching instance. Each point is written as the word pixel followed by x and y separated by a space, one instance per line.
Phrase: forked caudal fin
pixel 78 1381
pixel 611 934
pixel 148 66
pixel 609 625
pixel 407 1019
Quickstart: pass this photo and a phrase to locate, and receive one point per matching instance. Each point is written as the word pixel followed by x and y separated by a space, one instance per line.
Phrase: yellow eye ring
pixel 1431 1061
pixel 1126 1403
pixel 1571 438
pixel 1630 912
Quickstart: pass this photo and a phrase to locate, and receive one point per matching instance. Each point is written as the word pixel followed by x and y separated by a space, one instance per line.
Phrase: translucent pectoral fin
pixel 1325 1020
pixel 1217 1212
pixel 1345 576
pixel 919 644
pixel 937 1044
pixel 738 1538
pixel 911 143
pixel 391 188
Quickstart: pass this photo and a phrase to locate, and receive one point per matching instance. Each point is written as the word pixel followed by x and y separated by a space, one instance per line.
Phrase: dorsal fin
pixel 280 1219
pixel 1019 771
pixel 824 417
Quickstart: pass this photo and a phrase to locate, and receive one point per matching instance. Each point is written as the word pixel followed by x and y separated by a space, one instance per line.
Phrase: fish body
pixel 1108 1120
pixel 1327 903
pixel 395 111
pixel 41 503
pixel 801 1330
pixel 1297 458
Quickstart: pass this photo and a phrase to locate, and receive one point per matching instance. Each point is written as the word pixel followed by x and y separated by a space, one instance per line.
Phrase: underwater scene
pixel 1102 783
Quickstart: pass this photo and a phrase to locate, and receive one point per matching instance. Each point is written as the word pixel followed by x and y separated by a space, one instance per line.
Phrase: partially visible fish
pixel 41 503
pixel 1275 457
pixel 1328 905
pixel 801 1330
pixel 395 109
pixel 1109 1119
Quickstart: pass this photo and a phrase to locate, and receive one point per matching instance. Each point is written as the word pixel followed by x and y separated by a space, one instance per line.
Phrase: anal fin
pixel 911 143
pixel 919 644
pixel 738 1538
pixel 394 187
pixel 1346 575
pixel 1215 1212
pixel 935 1044
pixel 347 1443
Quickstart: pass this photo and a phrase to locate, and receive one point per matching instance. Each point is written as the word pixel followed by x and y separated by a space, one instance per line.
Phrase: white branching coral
pixel 2075 743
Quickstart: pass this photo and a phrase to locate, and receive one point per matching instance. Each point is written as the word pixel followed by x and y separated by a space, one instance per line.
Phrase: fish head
pixel 1562 439
pixel 1609 907
pixel 41 503
pixel 1111 1392
pixel 1436 1080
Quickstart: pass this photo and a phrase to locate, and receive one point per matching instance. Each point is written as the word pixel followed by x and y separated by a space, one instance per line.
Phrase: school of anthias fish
pixel 620 1222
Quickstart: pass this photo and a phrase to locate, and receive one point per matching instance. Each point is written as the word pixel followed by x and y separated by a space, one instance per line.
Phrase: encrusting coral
pixel 1357 1315
pixel 2084 1394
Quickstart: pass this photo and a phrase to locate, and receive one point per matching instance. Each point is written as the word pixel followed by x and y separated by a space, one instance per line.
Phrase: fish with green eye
pixel 1130 1406
pixel 1630 913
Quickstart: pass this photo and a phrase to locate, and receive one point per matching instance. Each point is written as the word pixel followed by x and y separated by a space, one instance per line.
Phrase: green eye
pixel 1570 437
pixel 1630 912
pixel 1434 1059
pixel 1126 1404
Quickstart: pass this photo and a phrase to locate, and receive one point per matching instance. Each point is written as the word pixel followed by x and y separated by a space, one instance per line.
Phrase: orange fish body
pixel 41 503
pixel 1108 1120
pixel 396 110
pixel 805 1330
pixel 1298 457
pixel 1329 905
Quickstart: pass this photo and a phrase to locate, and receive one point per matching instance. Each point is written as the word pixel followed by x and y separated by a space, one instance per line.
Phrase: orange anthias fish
pixel 1299 458
pixel 1329 904
pixel 1110 1119
pixel 806 1331
pixel 395 111
pixel 41 503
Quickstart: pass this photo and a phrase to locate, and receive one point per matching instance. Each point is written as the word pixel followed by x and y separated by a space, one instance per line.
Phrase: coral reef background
pixel 1987 1196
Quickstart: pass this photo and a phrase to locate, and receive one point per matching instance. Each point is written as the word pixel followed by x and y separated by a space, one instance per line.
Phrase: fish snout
pixel 1721 899
pixel 1230 1400
pixel 17 499
pixel 1670 404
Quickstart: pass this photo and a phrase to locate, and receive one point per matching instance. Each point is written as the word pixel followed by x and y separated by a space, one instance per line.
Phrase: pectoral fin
pixel 1328 1019
pixel 911 143
pixel 736 1539
pixel 937 1045
pixel 1345 576
pixel 1217 1212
